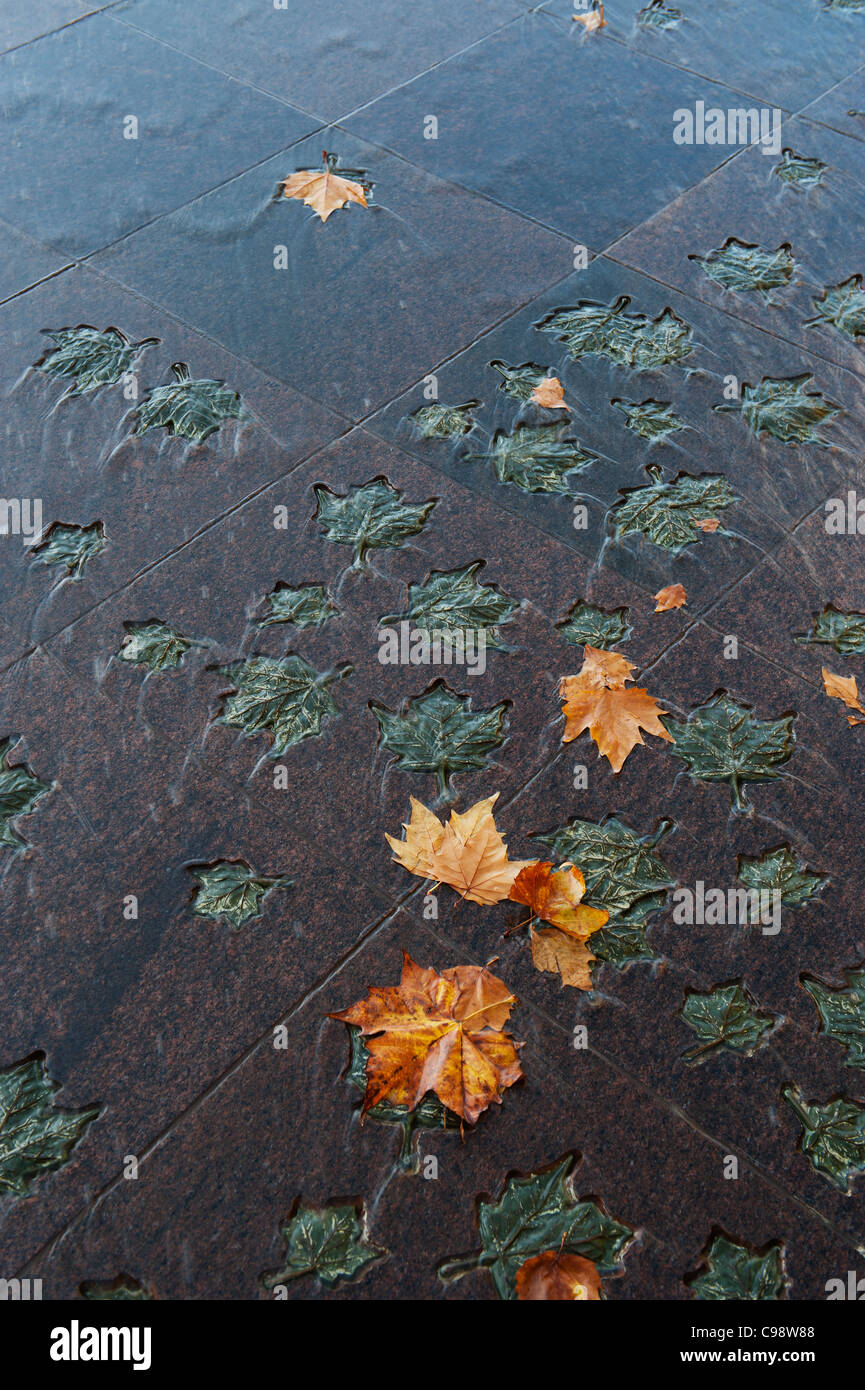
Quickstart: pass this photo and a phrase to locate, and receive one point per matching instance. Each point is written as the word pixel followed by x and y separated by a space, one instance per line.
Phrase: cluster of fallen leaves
pixel 469 854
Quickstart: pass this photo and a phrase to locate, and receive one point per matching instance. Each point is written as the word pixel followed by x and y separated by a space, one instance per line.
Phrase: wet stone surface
pixel 247 456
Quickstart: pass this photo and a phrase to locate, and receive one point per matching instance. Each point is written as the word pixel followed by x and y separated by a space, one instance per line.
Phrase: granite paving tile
pixel 25 20
pixel 746 202
pixel 328 60
pixel 352 310
pixel 66 101
pixel 533 117
pixel 205 1174
pixel 842 107
pixel 783 52
pixel 91 466
pixel 24 262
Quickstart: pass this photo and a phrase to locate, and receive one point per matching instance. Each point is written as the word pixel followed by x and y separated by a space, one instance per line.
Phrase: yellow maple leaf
pixel 467 852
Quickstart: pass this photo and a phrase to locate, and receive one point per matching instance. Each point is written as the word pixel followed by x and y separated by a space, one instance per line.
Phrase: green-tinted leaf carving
pixel 536 1213
pixel 71 546
pixel 155 644
pixel 454 601
pixel 284 697
pixel 372 517
pixel 19 793
pixel 586 624
pixel 835 628
pixel 620 867
pixel 307 605
pixel 833 1137
pixel 657 15
pixel 536 458
pixel 623 875
pixel 623 943
pixel 799 170
pixel 430 1113
pixel 844 307
pixel 191 408
pixel 667 513
pixel 851 6
pixel 842 1011
pixel 34 1137
pixel 721 741
pixel 651 419
pixel 737 1272
pixel 439 733
pixel 231 889
pixel 784 409
pixel 739 266
pixel 330 1242
pixel 780 870
pixel 123 1289
pixel 725 1016
pixel 630 340
pixel 520 381
pixel 91 358
pixel 444 421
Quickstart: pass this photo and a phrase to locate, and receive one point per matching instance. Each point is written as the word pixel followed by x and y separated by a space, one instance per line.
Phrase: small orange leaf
pixel 842 688
pixel 549 394
pixel 556 1274
pixel 437 1032
pixel 323 190
pixel 555 895
pixel 593 20
pixel 709 526
pixel 673 596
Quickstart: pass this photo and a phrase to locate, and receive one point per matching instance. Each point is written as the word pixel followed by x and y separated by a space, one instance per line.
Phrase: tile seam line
pixel 184 53
pixel 27 43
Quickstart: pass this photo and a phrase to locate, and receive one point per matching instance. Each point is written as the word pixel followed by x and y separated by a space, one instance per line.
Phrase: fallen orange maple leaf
pixel 549 393
pixel 842 688
pixel 556 896
pixel 710 525
pixel 437 1032
pixel 468 853
pixel 596 699
pixel 323 190
pixel 558 1275
pixel 673 596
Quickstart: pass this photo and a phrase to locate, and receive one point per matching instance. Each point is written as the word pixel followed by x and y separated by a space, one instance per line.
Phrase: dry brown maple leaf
pixel 710 525
pixel 468 853
pixel 568 956
pixel 673 596
pixel 437 1032
pixel 558 1275
pixel 842 688
pixel 323 190
pixel 549 393
pixel 555 895
pixel 596 699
